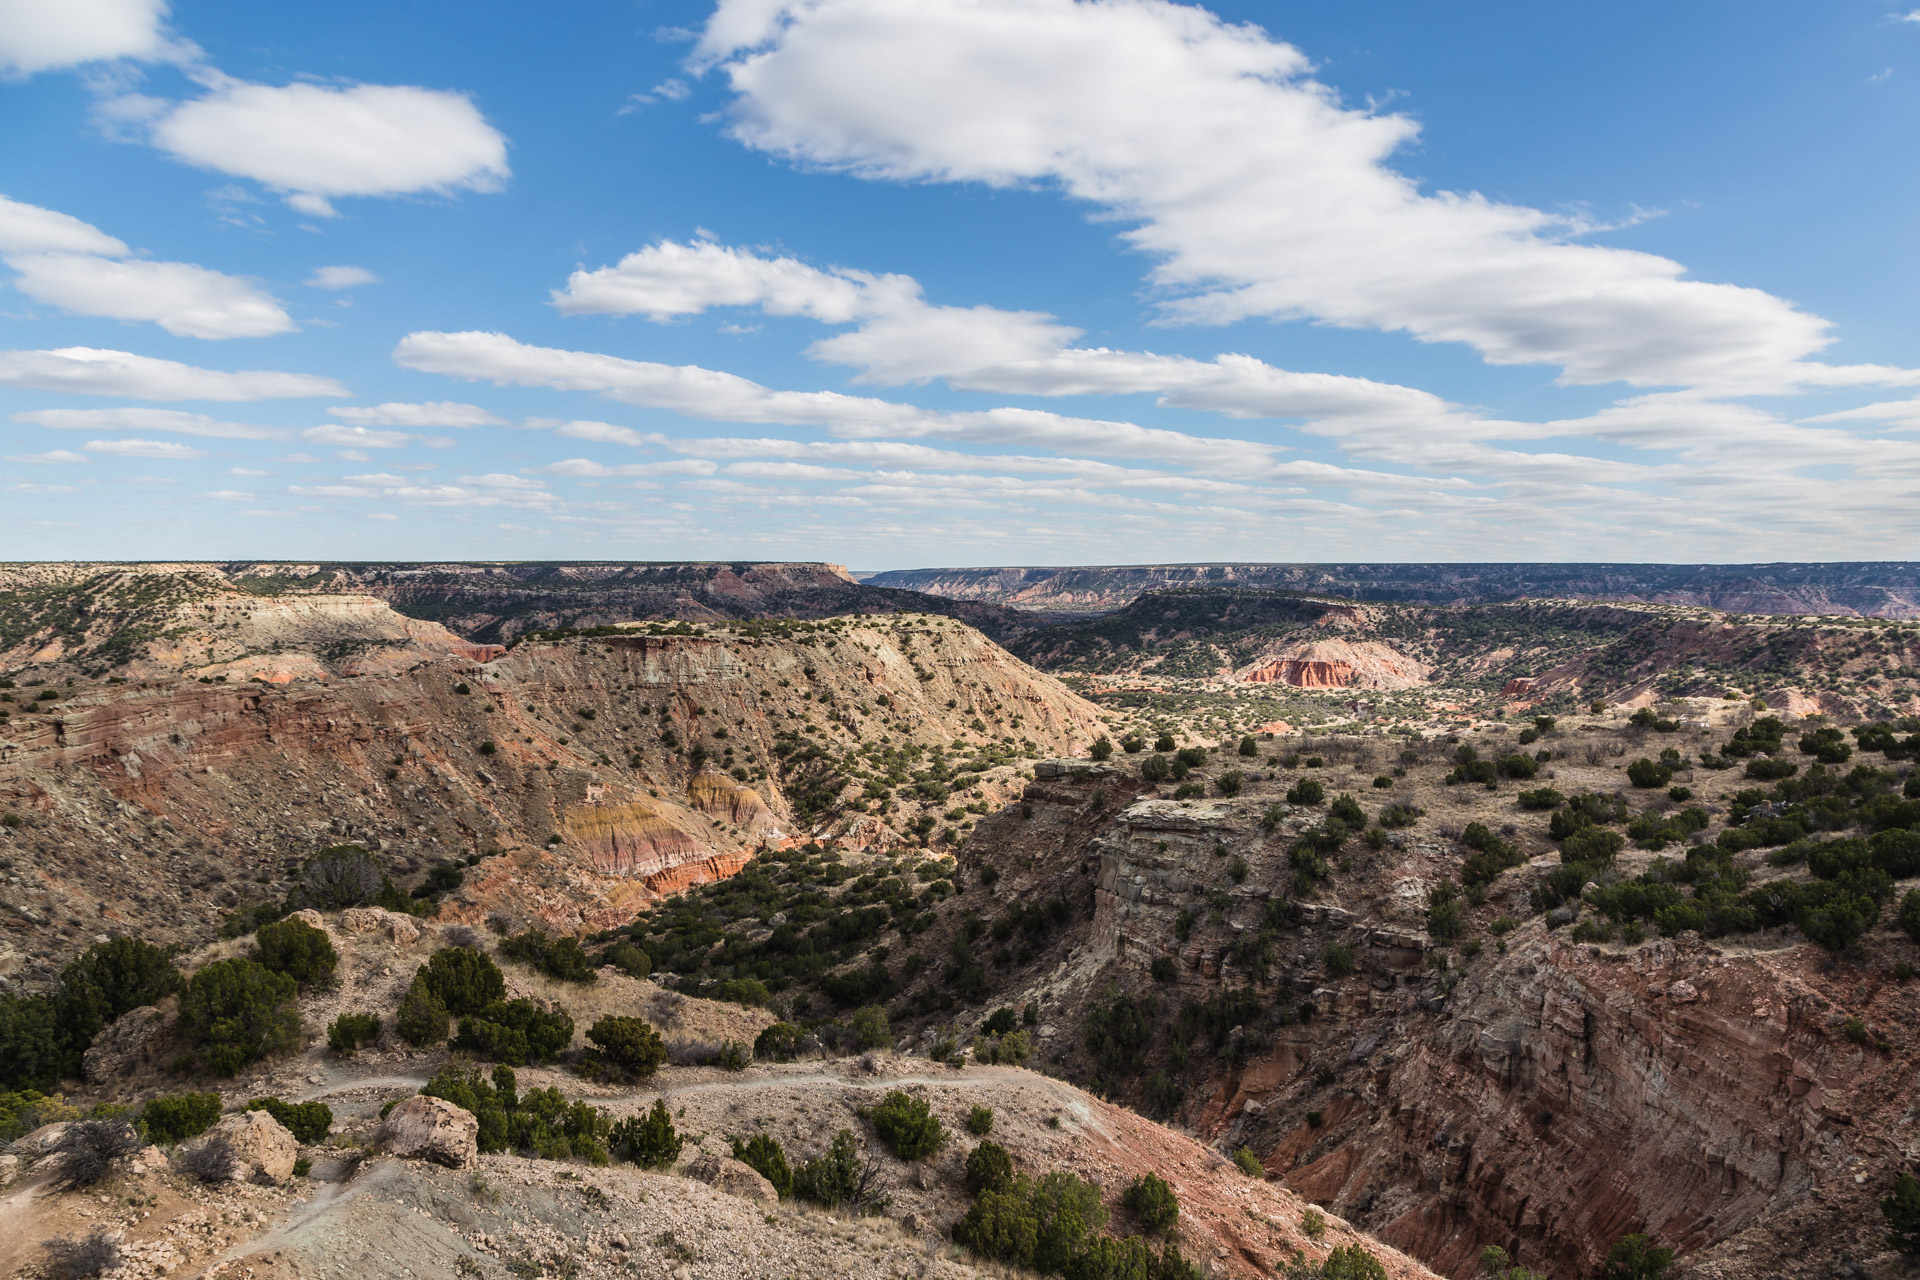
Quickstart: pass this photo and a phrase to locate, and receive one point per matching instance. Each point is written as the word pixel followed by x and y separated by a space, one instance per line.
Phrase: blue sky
pixel 946 282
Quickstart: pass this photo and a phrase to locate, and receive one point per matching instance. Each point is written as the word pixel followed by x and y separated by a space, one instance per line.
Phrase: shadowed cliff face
pixel 1548 1096
pixel 1563 1099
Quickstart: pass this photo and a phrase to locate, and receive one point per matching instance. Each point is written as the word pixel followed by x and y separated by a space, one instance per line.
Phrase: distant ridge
pixel 1877 589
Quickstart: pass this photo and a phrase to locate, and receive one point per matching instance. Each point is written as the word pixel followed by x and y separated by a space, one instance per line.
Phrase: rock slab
pixel 424 1128
pixel 263 1150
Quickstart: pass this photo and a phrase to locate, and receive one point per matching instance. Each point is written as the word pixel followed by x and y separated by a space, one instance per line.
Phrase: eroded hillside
pixel 568 780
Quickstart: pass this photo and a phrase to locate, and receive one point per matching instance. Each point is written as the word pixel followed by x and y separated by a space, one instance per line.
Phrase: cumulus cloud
pixel 181 298
pixel 357 437
pixel 174 421
pixel 713 395
pixel 55 456
pixel 318 143
pixel 341 277
pixel 472 491
pixel 434 413
pixel 43 35
pixel 71 264
pixel 170 449
pixel 1253 188
pixel 27 228
pixel 102 372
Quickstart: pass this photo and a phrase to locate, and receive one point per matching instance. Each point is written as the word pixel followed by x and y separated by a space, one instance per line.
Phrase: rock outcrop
pixel 125 1046
pixel 424 1128
pixel 713 1165
pixel 262 1149
pixel 1336 664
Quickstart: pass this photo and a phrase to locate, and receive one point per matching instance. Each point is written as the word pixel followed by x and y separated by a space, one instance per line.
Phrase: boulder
pixel 41 1140
pixel 399 928
pixel 712 1165
pixel 424 1128
pixel 124 1046
pixel 263 1150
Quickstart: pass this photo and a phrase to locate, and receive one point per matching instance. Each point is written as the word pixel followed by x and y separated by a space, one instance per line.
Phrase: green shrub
pixel 34 1054
pixel 239 1012
pixel 837 1178
pixel 988 1168
pixel 1649 773
pixel 1102 748
pixel 763 1154
pixel 649 1141
pixel 1164 969
pixel 560 958
pixel 541 1121
pixel 349 1031
pixel 630 1045
pixel 1249 1163
pixel 1013 1049
pixel 422 1018
pixel 1338 959
pixel 1351 1262
pixel 465 980
pixel 1910 914
pixel 179 1117
pixel 1902 1212
pixel 747 991
pixel 109 980
pixel 24 1111
pixel 516 1032
pixel 341 876
pixel 1636 1257
pixel 1152 1203
pixel 308 1122
pixel 781 1042
pixel 1544 798
pixel 868 1028
pixel 980 1121
pixel 1042 1224
pixel 297 949
pixel 908 1126
pixel 1307 791
pixel 630 960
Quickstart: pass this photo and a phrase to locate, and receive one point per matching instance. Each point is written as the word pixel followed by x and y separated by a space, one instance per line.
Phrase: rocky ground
pixel 362 1212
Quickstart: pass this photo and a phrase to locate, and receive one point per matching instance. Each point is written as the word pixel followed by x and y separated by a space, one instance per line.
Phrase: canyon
pixel 1887 589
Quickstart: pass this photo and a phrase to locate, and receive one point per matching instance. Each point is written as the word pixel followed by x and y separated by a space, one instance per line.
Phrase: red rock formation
pixel 1335 664
pixel 1302 673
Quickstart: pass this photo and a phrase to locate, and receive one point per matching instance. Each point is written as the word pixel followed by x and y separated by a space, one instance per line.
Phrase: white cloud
pixel 472 491
pixel 668 279
pixel 172 449
pixel 101 372
pixel 171 420
pixel 1254 189
pixel 709 394
pixel 434 413
pixel 357 437
pixel 71 264
pixel 27 228
pixel 317 143
pixel 341 277
pixel 42 35
pixel 229 495
pixel 586 469
pixel 252 473
pixel 58 456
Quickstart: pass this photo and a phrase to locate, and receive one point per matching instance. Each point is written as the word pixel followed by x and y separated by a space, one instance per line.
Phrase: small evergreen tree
pixel 649 1141
pixel 297 949
pixel 763 1154
pixel 1902 1212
